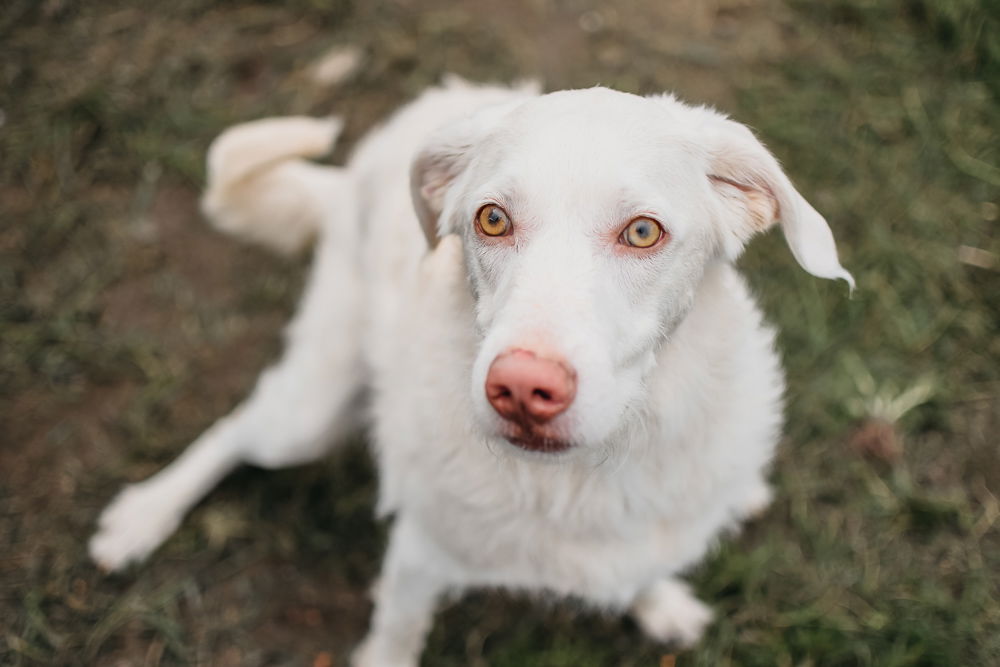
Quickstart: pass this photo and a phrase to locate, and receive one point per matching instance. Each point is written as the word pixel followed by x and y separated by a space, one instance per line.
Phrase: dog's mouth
pixel 539 443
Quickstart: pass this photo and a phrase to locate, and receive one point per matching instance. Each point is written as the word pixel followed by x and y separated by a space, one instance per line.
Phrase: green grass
pixel 128 326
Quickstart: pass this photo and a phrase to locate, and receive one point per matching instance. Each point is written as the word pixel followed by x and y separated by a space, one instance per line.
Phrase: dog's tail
pixel 261 189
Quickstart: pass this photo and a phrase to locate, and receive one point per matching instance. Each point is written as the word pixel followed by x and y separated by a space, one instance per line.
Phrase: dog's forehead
pixel 594 103
pixel 585 123
pixel 591 146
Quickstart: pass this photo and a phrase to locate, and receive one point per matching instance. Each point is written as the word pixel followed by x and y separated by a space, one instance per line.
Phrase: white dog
pixel 572 392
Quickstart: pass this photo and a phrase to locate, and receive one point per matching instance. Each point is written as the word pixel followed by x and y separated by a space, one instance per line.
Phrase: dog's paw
pixel 669 612
pixel 131 527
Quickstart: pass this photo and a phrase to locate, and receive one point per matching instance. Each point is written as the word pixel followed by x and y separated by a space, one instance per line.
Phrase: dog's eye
pixel 641 233
pixel 493 221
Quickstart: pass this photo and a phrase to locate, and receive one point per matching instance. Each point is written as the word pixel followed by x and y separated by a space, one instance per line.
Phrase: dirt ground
pixel 128 326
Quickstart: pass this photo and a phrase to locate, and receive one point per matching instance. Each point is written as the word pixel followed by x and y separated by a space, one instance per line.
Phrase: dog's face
pixel 588 218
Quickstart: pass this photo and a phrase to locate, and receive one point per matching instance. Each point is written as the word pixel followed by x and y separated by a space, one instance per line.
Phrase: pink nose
pixel 524 387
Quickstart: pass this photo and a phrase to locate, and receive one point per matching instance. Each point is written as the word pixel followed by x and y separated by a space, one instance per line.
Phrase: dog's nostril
pixel 499 394
pixel 542 394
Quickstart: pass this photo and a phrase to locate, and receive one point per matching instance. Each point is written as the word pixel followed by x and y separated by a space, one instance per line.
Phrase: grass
pixel 128 326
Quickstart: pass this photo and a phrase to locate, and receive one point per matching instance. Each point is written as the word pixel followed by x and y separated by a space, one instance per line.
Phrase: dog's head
pixel 587 219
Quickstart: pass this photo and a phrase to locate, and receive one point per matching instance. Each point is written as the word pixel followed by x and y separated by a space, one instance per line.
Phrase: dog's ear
pixel 758 193
pixel 436 166
pixel 446 155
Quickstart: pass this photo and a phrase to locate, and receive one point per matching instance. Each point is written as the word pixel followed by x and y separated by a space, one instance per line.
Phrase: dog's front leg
pixel 295 412
pixel 414 575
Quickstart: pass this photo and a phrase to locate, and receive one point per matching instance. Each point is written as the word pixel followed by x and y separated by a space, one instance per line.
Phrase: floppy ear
pixel 449 151
pixel 436 166
pixel 758 194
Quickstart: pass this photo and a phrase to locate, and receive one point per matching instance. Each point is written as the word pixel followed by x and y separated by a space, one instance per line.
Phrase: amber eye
pixel 641 233
pixel 493 221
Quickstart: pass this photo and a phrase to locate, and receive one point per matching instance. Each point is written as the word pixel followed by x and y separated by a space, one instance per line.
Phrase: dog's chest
pixel 553 527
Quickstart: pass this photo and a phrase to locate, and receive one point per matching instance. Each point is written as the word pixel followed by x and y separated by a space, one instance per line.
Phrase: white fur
pixel 678 405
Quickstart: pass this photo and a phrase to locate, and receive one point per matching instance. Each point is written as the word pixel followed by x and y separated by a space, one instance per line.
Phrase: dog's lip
pixel 538 443
pixel 524 433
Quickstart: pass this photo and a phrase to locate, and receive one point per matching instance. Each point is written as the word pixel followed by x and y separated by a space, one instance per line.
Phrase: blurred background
pixel 128 326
